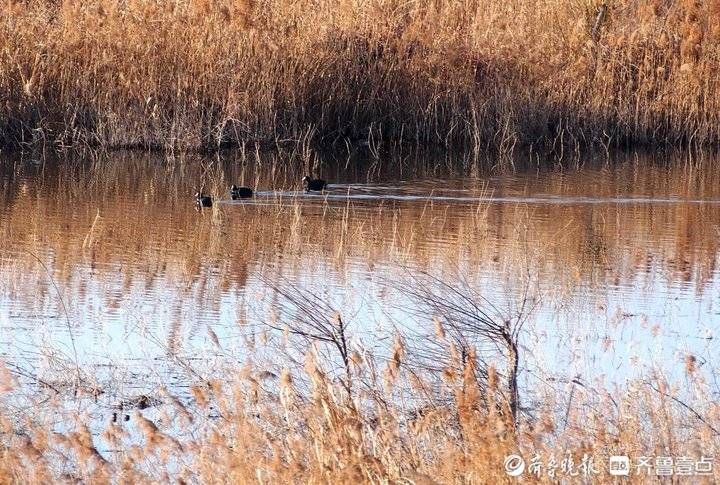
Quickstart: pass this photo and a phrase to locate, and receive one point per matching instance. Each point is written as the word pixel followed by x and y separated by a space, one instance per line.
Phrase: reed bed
pixel 553 76
pixel 303 426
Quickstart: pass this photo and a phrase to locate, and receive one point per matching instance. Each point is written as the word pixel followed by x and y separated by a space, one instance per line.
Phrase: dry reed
pixel 287 432
pixel 474 74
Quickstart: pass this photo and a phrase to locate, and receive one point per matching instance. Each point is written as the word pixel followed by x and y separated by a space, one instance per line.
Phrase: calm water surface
pixel 107 262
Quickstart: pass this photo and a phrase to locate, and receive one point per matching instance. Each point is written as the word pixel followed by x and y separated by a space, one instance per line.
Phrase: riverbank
pixel 480 76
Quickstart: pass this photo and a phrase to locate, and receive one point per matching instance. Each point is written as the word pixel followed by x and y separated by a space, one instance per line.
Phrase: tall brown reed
pixel 473 74
pixel 284 431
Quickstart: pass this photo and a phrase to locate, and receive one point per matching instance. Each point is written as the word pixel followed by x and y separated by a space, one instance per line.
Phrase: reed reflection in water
pixel 620 260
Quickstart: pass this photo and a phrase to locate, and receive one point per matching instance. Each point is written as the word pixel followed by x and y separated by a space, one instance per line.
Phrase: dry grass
pixel 265 428
pixel 475 74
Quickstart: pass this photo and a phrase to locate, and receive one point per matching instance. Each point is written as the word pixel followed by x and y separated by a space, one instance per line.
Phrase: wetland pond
pixel 106 265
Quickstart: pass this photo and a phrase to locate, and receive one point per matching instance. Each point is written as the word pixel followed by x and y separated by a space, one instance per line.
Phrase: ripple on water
pixel 144 276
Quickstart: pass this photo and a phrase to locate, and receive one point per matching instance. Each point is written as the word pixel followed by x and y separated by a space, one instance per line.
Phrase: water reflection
pixel 622 258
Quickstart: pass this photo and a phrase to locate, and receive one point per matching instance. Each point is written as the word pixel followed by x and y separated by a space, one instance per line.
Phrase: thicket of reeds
pixel 473 74
pixel 393 425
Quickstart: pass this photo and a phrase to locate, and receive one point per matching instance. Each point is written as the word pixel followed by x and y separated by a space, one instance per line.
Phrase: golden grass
pixel 477 74
pixel 395 429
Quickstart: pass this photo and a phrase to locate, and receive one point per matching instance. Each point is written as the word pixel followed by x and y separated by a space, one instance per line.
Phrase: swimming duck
pixel 203 200
pixel 313 184
pixel 240 192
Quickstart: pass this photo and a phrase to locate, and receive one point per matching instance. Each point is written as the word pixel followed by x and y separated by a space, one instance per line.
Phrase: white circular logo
pixel 514 465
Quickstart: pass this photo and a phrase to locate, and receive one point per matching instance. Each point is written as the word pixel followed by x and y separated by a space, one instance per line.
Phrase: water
pixel 106 262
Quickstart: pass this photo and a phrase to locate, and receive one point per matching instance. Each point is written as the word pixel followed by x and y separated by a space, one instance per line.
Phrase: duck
pixel 317 185
pixel 240 192
pixel 203 200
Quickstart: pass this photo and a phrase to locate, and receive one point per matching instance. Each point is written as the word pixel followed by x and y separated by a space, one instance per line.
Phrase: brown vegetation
pixel 473 74
pixel 304 427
